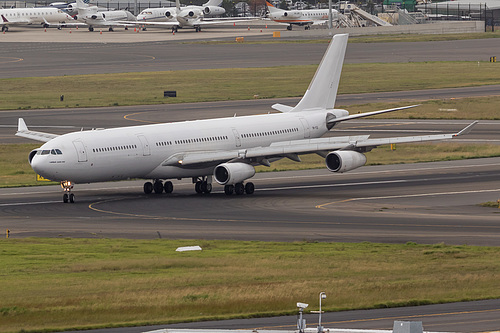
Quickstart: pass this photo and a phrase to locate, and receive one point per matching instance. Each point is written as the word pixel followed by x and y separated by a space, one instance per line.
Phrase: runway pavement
pixel 132 54
pixel 424 203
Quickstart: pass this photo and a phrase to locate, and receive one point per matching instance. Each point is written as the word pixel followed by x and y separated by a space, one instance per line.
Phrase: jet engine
pixel 213 10
pixel 168 14
pixel 232 173
pixel 344 160
pixel 292 15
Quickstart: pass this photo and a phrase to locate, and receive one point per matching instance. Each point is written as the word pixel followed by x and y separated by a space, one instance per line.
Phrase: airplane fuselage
pixel 138 151
pixel 38 15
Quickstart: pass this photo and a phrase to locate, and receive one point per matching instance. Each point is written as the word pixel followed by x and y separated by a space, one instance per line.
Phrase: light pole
pixel 322 295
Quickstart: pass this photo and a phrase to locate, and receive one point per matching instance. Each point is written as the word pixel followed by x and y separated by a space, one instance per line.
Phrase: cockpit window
pixel 59 152
pixel 45 152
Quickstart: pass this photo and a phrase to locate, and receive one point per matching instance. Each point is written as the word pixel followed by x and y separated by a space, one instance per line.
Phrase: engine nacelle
pixel 213 10
pixel 292 15
pixel 344 160
pixel 232 173
pixel 168 14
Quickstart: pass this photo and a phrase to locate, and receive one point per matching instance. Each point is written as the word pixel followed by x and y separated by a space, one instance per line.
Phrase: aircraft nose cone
pixel 40 166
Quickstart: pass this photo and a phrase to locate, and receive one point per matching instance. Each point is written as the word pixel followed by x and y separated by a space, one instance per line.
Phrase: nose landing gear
pixel 67 186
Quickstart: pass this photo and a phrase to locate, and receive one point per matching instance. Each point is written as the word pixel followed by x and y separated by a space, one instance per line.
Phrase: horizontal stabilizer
pixel 282 107
pixel 23 131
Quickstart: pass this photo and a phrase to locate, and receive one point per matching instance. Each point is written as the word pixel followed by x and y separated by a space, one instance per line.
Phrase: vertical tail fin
pixel 322 90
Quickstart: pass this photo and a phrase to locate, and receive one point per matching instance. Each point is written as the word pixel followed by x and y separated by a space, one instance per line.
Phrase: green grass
pixel 234 84
pixel 77 283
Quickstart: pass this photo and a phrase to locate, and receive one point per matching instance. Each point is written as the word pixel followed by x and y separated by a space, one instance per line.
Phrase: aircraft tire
pixel 158 187
pixel 148 187
pixel 249 188
pixel 239 189
pixel 91 28
pixel 197 187
pixel 71 198
pixel 168 187
pixel 206 187
pixel 229 189
pixel 65 198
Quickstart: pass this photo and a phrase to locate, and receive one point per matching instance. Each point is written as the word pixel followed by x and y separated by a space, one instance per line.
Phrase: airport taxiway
pixel 424 203
pixel 66 57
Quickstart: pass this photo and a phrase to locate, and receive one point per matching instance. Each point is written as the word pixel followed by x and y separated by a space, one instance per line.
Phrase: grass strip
pixel 16 171
pixel 78 283
pixel 234 84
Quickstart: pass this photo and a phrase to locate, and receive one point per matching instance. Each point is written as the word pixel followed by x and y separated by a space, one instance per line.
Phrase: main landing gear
pixel 239 188
pixel 158 187
pixel 67 196
pixel 202 185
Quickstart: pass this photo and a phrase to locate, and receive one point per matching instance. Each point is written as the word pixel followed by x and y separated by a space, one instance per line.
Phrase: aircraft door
pixel 146 150
pixel 305 124
pixel 80 151
pixel 237 137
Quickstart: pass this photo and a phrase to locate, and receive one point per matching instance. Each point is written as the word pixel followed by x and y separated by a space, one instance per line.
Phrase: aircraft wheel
pixel 148 187
pixel 65 197
pixel 158 187
pixel 206 187
pixel 168 187
pixel 91 28
pixel 289 28
pixel 126 28
pixel 249 188
pixel 239 189
pixel 229 189
pixel 71 198
pixel 197 187
pixel 111 29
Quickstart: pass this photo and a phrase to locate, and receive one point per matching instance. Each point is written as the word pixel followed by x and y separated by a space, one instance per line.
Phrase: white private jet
pixel 167 14
pixel 224 149
pixel 185 17
pixel 44 16
pixel 305 17
pixel 92 17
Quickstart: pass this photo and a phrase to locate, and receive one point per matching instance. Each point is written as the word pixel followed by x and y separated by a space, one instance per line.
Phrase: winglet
pixel 21 125
pixel 467 129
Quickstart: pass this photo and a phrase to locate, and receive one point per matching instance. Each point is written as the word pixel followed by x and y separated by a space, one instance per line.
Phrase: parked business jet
pixel 92 17
pixel 305 17
pixel 44 16
pixel 224 149
pixel 185 17
pixel 168 14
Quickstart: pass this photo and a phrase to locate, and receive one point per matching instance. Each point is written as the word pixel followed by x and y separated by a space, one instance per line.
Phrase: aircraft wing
pixel 292 149
pixel 161 24
pixel 23 131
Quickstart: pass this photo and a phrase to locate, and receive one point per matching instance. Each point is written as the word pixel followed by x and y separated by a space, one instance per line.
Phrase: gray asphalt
pixel 49 59
pixel 425 203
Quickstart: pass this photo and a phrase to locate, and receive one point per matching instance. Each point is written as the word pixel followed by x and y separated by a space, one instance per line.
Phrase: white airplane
pixel 44 16
pixel 305 17
pixel 167 14
pixel 224 149
pixel 185 17
pixel 92 17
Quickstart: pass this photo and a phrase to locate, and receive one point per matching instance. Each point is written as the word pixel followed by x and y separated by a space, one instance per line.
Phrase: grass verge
pixel 16 171
pixel 234 84
pixel 79 283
